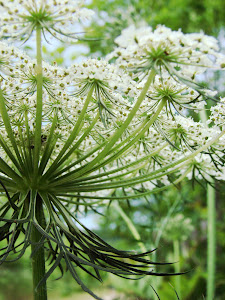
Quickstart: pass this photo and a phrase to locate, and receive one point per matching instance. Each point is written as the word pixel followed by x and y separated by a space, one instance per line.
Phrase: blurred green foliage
pixel 16 280
pixel 55 55
pixel 189 15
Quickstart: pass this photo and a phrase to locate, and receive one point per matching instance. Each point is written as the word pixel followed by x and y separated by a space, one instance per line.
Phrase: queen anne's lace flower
pixel 177 95
pixel 19 18
pixel 10 55
pixel 183 55
pixel 114 90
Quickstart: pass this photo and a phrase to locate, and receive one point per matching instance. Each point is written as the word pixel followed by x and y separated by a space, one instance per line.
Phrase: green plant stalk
pixel 130 225
pixel 48 148
pixel 74 147
pixel 144 159
pixel 140 195
pixel 5 168
pixel 100 146
pixel 177 269
pixel 38 122
pixel 211 248
pixel 211 232
pixel 38 258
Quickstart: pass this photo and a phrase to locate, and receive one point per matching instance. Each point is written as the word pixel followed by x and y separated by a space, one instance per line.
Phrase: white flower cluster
pixel 114 90
pixel 132 35
pixel 151 146
pixel 180 54
pixel 64 94
pixel 218 113
pixel 178 95
pixel 19 18
pixel 8 56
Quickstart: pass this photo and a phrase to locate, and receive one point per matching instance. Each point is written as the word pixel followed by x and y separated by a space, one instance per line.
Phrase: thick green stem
pixel 176 251
pixel 211 251
pixel 38 122
pixel 38 258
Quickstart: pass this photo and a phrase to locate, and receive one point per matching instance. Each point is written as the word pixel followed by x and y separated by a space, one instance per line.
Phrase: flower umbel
pixel 20 18
pixel 182 56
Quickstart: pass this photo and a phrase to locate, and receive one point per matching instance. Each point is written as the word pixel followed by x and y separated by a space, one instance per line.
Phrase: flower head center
pixel 160 55
pixel 38 18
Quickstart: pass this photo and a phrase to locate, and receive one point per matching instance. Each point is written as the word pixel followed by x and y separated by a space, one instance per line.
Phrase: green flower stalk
pixel 71 138
pixel 37 138
pixel 211 255
pixel 211 231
